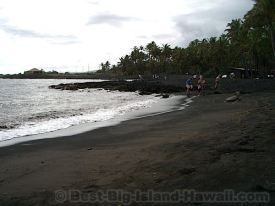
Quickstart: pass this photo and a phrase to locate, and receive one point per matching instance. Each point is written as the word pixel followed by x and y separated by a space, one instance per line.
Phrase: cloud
pixel 94 2
pixel 56 39
pixel 143 37
pixel 212 21
pixel 110 19
pixel 163 36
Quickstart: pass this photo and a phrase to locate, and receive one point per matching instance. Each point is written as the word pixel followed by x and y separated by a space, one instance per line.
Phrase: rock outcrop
pixel 143 87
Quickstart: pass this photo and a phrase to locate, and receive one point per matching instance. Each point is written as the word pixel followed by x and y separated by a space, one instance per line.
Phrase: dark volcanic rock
pixel 165 96
pixel 3 127
pixel 144 87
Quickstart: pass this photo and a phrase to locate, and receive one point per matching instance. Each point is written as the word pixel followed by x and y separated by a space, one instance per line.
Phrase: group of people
pixel 200 84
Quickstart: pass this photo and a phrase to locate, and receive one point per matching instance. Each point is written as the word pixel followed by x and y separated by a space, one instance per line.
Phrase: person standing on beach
pixel 189 86
pixel 217 81
pixel 200 85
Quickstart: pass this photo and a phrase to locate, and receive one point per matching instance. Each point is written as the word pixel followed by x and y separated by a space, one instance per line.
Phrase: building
pixel 34 71
pixel 52 72
pixel 243 73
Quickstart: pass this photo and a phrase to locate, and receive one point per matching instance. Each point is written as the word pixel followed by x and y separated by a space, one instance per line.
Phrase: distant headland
pixel 36 73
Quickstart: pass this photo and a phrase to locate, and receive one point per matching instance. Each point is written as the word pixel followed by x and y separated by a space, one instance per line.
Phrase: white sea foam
pixel 39 127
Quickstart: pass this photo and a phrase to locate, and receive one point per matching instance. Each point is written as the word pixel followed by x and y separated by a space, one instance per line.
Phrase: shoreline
pixel 162 106
pixel 210 146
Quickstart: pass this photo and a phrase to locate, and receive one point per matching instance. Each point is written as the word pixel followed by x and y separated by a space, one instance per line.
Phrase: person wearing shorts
pixel 189 86
pixel 200 86
pixel 217 81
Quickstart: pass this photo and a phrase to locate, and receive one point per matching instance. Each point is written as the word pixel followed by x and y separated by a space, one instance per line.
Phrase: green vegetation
pixel 247 43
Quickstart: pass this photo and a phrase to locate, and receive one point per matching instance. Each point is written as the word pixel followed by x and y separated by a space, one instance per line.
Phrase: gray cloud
pixel 110 19
pixel 93 2
pixel 157 37
pixel 143 37
pixel 205 23
pixel 163 36
pixel 57 39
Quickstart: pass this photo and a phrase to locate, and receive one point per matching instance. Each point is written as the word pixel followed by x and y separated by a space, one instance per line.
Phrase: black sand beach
pixel 210 146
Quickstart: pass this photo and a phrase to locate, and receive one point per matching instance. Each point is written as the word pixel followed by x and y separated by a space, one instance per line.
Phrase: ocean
pixel 29 107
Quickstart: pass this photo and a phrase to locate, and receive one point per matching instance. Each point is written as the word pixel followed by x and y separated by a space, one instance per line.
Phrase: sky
pixel 77 35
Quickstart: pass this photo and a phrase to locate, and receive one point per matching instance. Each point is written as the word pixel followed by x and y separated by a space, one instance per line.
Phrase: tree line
pixel 246 43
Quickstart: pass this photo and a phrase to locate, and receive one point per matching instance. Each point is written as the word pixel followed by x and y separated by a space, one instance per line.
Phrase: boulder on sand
pixel 234 98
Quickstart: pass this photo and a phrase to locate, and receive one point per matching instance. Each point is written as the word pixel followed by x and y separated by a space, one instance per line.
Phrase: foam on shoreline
pixel 79 124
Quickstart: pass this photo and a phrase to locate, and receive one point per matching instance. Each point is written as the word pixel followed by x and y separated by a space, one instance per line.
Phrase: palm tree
pixel 105 66
pixel 234 30
pixel 138 58
pixel 165 57
pixel 263 15
pixel 237 36
pixel 178 60
pixel 154 52
pixel 125 65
